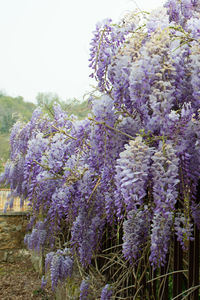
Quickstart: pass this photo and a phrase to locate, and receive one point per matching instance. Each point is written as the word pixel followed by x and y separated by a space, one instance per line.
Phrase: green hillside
pixel 11 110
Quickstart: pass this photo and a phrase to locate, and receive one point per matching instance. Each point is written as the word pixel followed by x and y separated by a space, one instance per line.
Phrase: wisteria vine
pixel 133 161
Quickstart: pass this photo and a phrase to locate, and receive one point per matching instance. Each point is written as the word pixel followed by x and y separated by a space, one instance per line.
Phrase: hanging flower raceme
pixel 86 233
pixel 133 173
pixel 60 265
pixel 160 238
pixel 136 233
pixel 183 229
pixel 106 293
pixel 36 240
pixel 165 173
pixel 84 290
pixel 107 39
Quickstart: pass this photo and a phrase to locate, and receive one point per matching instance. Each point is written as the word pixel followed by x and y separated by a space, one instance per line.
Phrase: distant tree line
pixel 12 109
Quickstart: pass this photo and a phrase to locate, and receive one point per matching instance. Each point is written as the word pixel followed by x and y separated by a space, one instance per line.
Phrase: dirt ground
pixel 19 281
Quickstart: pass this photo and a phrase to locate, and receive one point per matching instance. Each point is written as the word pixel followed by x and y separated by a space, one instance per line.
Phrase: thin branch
pixel 62 131
pixel 190 290
pixel 112 128
pixel 171 273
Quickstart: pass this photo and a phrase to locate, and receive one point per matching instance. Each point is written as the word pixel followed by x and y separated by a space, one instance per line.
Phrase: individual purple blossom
pixel 48 260
pixel 56 152
pixel 84 290
pixel 61 117
pixel 101 52
pixel 103 140
pixel 106 293
pixel 182 11
pixel 186 8
pixel 182 79
pixel 36 147
pixel 195 76
pixel 140 85
pixel 193 27
pixel 43 282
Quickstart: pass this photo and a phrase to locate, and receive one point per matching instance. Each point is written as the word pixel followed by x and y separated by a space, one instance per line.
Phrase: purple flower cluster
pixel 36 240
pixel 60 265
pixel 183 229
pixel 180 11
pixel 107 38
pixel 106 293
pixel 136 233
pixel 160 238
pixel 132 173
pixel 84 290
pixel 85 235
pixel 165 172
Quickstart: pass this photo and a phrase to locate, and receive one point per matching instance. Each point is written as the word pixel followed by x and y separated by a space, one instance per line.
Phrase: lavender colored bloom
pixel 84 290
pixel 132 172
pixel 136 233
pixel 195 63
pixel 118 74
pixel 61 117
pixel 173 10
pixel 57 152
pixel 48 260
pixel 85 236
pixel 165 172
pixel 36 240
pixel 43 283
pixel 186 8
pixel 107 39
pixel 60 265
pixel 160 238
pixel 106 293
pixel 157 19
pixel 183 230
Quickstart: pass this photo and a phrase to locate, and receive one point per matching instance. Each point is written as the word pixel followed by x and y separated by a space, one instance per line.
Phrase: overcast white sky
pixel 45 43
